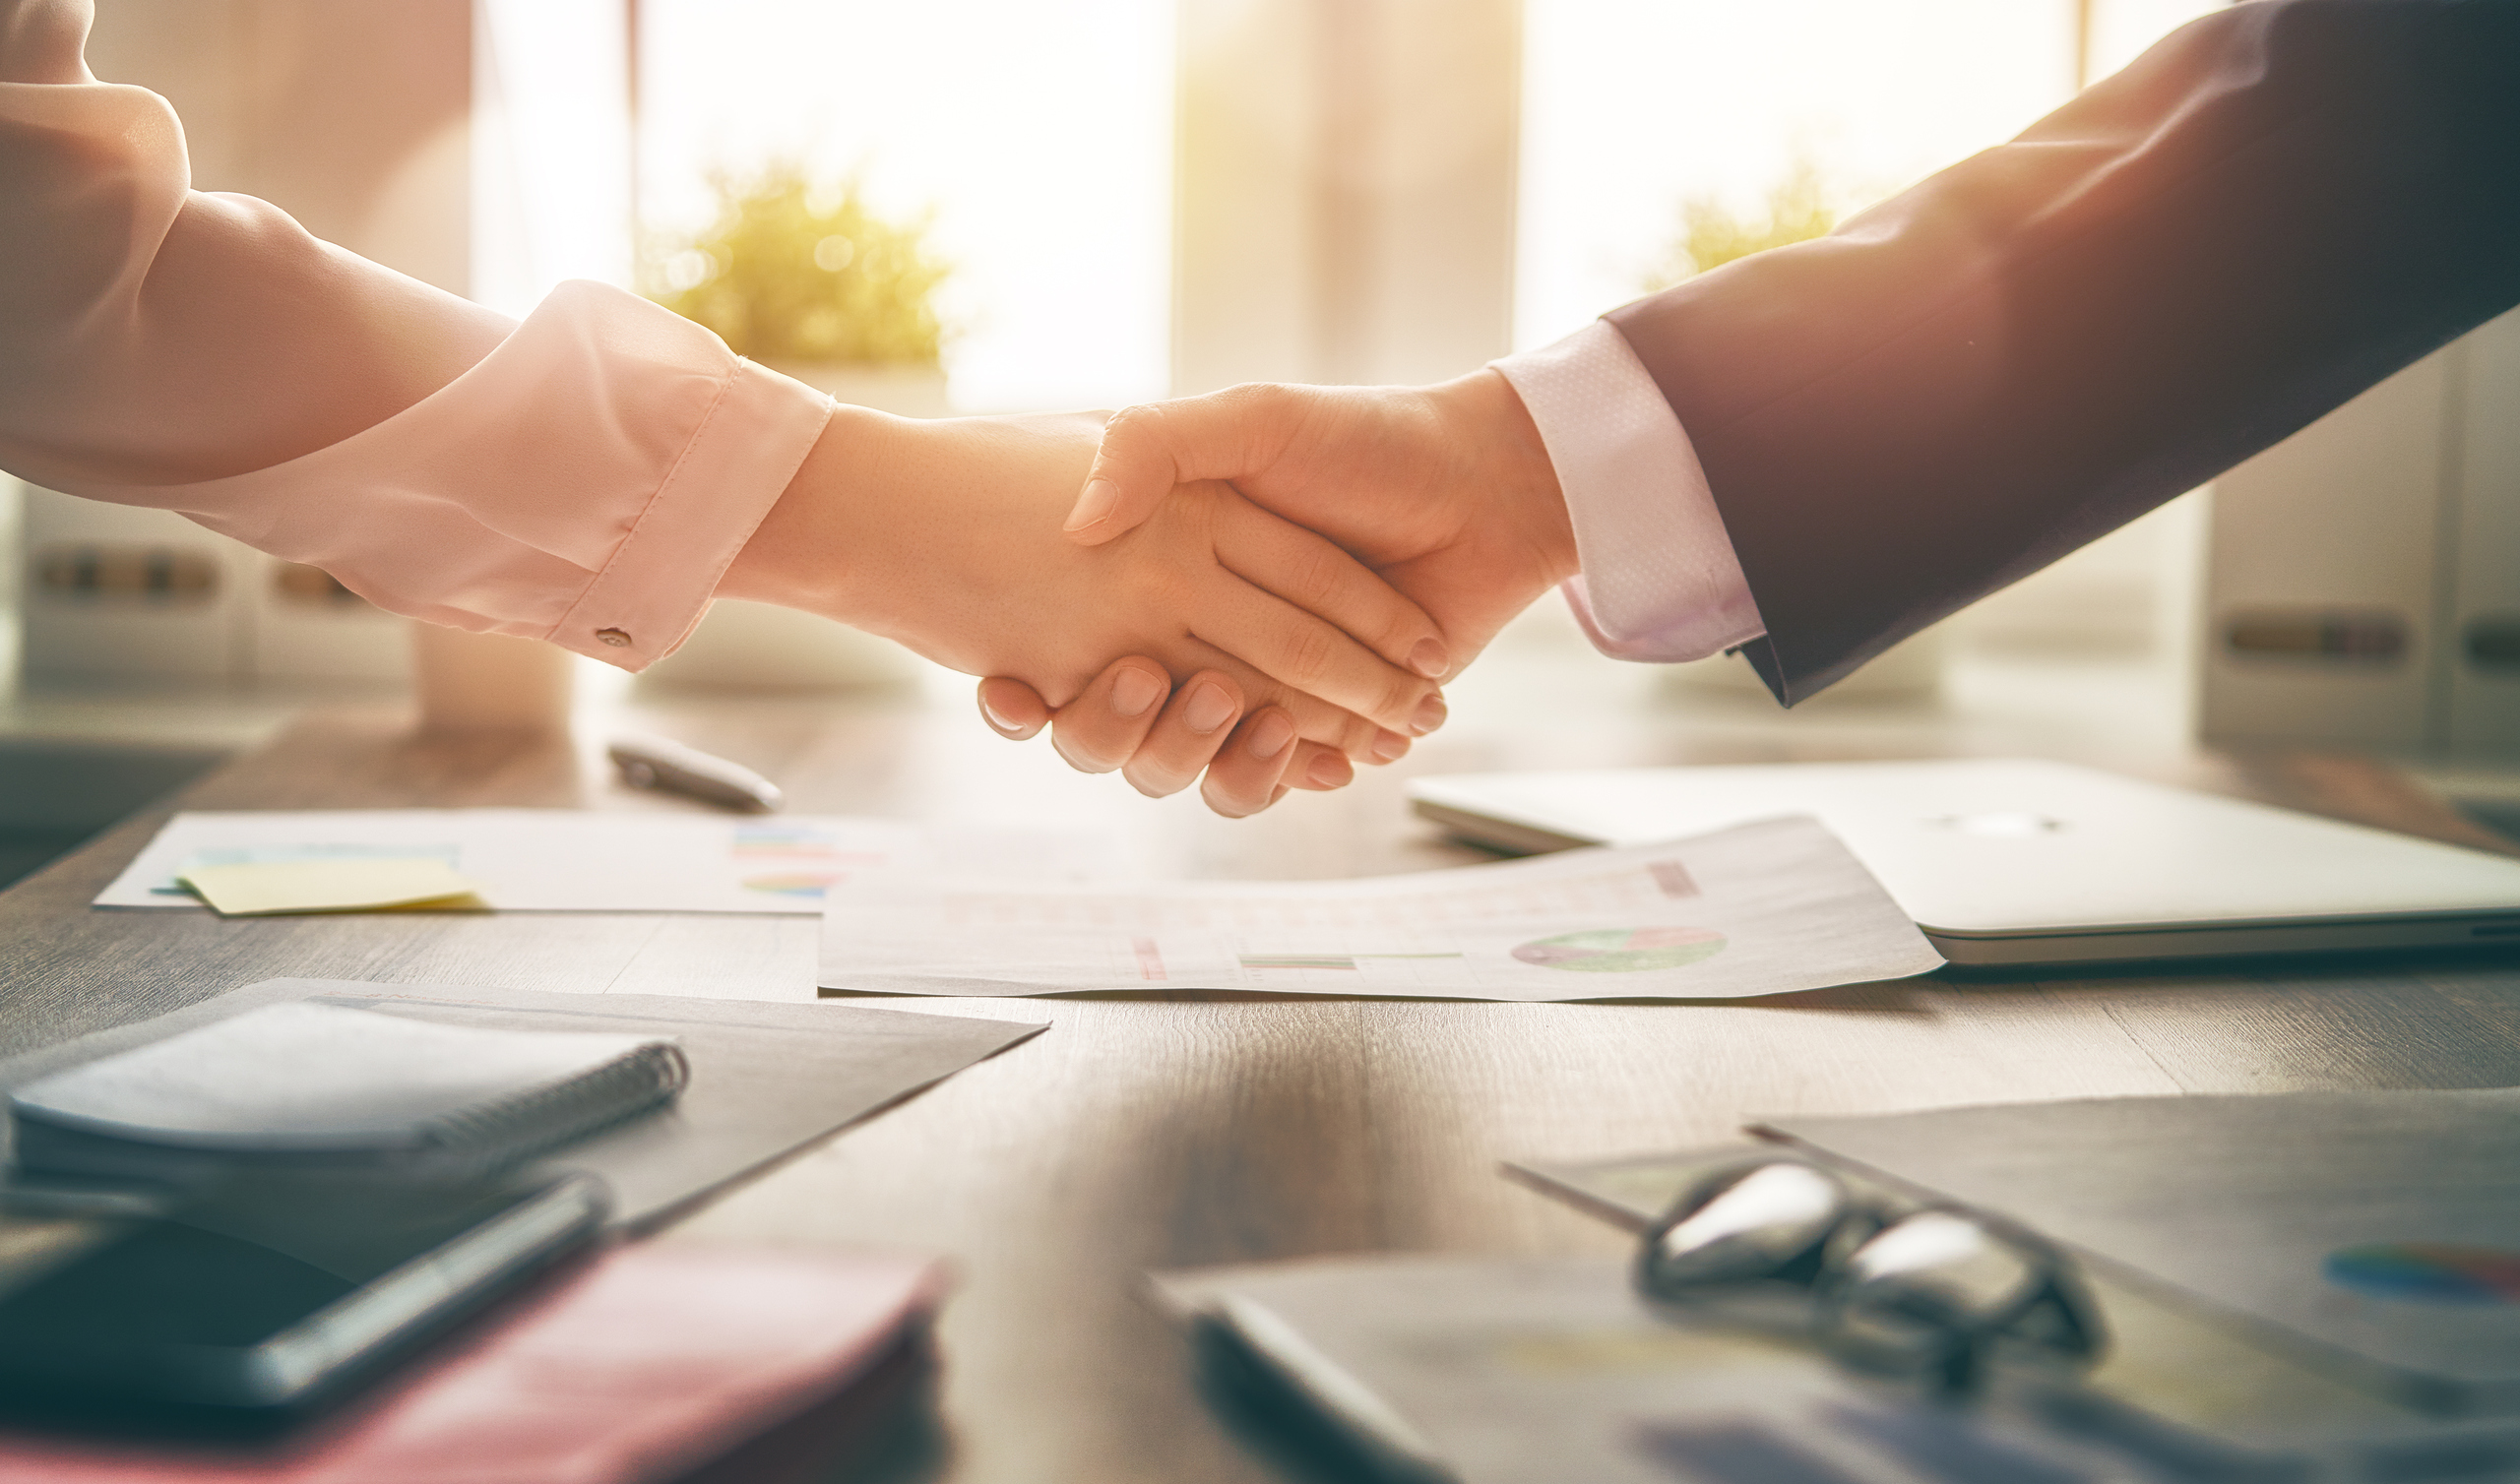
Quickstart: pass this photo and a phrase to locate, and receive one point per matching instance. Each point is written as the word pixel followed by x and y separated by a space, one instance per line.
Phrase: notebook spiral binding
pixel 510 1129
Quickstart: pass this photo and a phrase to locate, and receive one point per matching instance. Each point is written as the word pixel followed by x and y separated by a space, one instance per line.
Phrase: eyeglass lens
pixel 1928 1292
pixel 1771 1221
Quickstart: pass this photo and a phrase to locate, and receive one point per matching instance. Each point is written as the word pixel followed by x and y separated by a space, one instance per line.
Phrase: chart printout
pixel 1759 908
pixel 573 860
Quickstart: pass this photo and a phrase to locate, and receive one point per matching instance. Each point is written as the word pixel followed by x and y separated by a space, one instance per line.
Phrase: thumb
pixel 1150 448
pixel 1013 709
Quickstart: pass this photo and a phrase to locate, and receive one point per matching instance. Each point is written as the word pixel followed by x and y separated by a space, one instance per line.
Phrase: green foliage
pixel 791 272
pixel 1799 210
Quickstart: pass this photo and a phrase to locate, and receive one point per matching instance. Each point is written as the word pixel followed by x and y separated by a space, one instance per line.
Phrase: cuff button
pixel 613 636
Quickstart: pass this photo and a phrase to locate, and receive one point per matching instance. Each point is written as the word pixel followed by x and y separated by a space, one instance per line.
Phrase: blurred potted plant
pixel 1710 236
pixel 808 279
pixel 1799 207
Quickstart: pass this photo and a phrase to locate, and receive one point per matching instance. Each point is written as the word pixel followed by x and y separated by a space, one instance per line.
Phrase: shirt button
pixel 613 636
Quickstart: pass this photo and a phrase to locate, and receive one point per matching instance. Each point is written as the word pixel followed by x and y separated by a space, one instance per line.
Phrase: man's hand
pixel 945 535
pixel 1445 491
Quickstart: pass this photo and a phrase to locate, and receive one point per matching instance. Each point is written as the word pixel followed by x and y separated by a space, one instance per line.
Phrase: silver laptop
pixel 2017 863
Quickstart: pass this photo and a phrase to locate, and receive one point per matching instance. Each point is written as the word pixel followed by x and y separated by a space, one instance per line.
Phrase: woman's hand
pixel 1115 724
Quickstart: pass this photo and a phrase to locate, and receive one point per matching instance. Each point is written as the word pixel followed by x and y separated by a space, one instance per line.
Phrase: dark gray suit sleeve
pixel 2273 209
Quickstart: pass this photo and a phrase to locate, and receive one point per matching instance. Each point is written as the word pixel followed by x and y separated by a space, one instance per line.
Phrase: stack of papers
pixel 2375 1233
pixel 1456 1370
pixel 1450 1370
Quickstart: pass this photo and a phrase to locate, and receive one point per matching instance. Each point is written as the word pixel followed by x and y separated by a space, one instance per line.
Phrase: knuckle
pixel 1315 577
pixel 1401 629
pixel 1400 696
pixel 1133 421
pixel 1263 408
pixel 1309 655
pixel 1265 397
pixel 1133 440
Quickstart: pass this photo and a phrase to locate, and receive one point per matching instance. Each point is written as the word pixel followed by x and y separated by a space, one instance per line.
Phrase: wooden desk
pixel 1202 1128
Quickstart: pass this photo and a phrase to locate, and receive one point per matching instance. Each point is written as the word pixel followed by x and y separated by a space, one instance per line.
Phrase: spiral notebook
pixel 332 1084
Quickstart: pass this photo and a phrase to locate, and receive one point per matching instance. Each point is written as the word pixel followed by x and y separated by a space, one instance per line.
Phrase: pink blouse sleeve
pixel 583 476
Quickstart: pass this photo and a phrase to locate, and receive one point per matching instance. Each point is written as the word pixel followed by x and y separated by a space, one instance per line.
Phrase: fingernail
pixel 1429 659
pixel 1271 735
pixel 1093 506
pixel 1330 770
pixel 1430 714
pixel 1134 689
pixel 1388 747
pixel 1209 707
pixel 996 720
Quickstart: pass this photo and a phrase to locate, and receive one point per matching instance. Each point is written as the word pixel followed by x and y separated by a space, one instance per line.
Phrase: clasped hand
pixel 1283 574
pixel 1441 496
pixel 1256 650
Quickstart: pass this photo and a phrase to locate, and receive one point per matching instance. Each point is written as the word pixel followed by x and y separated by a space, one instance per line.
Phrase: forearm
pixel 2274 209
pixel 153 335
pixel 859 535
pixel 581 477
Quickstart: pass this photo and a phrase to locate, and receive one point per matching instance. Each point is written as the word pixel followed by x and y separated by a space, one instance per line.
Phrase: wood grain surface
pixel 1195 1128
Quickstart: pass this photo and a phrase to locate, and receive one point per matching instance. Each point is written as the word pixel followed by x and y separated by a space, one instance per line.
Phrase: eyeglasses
pixel 1931 1292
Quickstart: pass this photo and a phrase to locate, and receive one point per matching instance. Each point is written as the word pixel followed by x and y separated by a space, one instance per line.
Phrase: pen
pixel 671 767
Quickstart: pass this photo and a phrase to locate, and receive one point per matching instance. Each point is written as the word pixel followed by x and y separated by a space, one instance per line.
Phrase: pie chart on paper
pixel 1623 951
pixel 2428 1271
pixel 794 883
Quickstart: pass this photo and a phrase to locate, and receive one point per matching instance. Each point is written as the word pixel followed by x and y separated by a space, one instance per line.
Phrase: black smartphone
pixel 258 1300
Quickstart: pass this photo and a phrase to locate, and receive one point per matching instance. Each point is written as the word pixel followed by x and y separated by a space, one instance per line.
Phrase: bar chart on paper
pixel 1760 909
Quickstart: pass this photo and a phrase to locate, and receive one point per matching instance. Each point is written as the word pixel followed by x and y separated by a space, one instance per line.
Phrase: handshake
pixel 1264 585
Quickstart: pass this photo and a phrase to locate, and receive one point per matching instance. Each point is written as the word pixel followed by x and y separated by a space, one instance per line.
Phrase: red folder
pixel 647 1364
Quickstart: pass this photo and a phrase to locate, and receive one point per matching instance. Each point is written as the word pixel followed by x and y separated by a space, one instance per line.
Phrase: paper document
pixel 1757 910
pixel 257 889
pixel 2377 1230
pixel 567 860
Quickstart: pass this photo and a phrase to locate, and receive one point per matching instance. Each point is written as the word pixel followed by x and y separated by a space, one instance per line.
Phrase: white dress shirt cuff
pixel 1658 580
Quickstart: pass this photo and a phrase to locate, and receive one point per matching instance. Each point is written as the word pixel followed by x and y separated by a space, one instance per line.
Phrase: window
pixel 1041 136
pixel 1632 107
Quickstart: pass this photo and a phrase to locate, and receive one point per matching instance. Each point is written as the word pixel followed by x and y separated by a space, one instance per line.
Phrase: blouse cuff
pixel 587 482
pixel 654 592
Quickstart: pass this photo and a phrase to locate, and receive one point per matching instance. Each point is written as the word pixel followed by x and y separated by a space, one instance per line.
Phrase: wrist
pixel 1515 476
pixel 812 550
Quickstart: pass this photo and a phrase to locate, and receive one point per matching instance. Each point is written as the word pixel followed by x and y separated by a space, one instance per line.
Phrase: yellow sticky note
pixel 262 888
